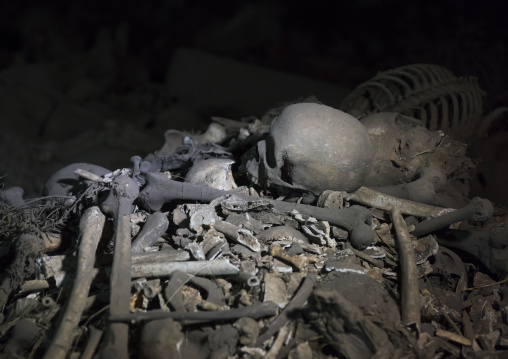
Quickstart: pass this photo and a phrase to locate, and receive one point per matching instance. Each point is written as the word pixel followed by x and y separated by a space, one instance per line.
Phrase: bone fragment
pixel 298 262
pixel 214 293
pixel 136 161
pixel 53 266
pixel 216 267
pixel 93 342
pixel 277 344
pixel 376 262
pixel 160 190
pixel 116 338
pixel 160 257
pixel 422 190
pixel 156 224
pixel 34 285
pixel 372 198
pixel 238 235
pixel 256 311
pixel 120 200
pixel 120 204
pixel 88 175
pixel 454 337
pixel 245 278
pixel 91 225
pixel 478 209
pixel 297 302
pixel 410 297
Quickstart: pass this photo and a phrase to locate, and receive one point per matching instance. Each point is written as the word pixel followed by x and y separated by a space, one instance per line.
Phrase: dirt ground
pixel 97 83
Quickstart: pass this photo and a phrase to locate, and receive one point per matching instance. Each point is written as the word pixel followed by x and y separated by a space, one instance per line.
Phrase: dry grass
pixel 44 214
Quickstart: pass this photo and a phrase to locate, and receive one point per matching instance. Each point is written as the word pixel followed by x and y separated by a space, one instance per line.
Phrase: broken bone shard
pixel 212 172
pixel 173 290
pixel 215 133
pixel 238 235
pixel 316 147
pixel 159 190
pixel 156 224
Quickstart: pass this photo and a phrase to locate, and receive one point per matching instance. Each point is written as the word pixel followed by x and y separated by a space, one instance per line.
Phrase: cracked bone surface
pixel 315 148
pixel 159 190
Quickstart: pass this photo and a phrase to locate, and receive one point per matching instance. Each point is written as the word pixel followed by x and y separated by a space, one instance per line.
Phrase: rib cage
pixel 430 93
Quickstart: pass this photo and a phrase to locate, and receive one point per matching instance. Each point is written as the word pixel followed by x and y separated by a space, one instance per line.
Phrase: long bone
pixel 91 226
pixel 369 197
pixel 120 205
pixel 421 190
pixel 159 190
pixel 410 296
pixel 478 209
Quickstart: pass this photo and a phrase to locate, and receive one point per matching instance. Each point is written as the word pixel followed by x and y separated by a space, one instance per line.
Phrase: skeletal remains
pixel 307 151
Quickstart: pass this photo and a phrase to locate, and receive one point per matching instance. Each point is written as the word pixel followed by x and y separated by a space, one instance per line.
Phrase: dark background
pixel 88 80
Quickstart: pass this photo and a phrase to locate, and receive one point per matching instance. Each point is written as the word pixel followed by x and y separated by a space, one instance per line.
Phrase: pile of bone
pixel 215 242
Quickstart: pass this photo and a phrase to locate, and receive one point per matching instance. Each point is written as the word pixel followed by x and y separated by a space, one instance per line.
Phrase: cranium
pixel 314 147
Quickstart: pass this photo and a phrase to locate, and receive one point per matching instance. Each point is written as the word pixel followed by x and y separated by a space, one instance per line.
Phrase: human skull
pixel 314 147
